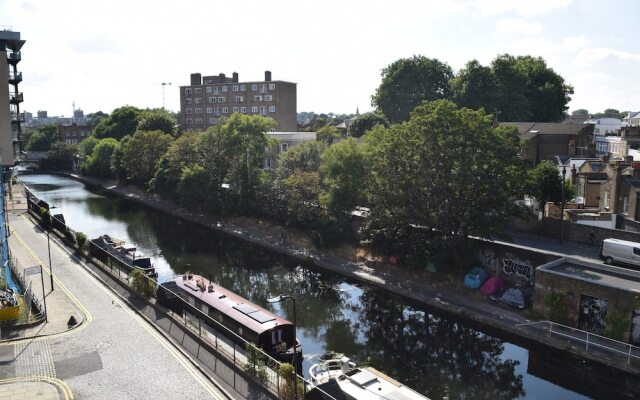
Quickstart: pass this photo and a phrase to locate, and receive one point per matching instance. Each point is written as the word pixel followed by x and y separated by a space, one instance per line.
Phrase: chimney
pixel 574 174
pixel 267 76
pixel 235 77
pixel 196 79
pixel 222 76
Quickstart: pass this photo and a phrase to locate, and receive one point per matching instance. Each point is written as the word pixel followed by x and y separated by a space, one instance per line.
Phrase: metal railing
pixel 35 302
pixel 592 342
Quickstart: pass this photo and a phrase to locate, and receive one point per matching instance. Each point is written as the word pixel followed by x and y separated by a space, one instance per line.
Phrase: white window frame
pixel 188 91
pixel 268 97
pixel 225 89
pixel 197 100
pixel 272 86
pixel 209 89
pixel 189 121
pixel 222 99
pixel 189 111
pixel 239 99
pixel 235 88
pixel 236 109
pixel 257 98
pixel 263 88
pixel 198 110
pixel 198 90
pixel 209 110
pixel 225 110
pixel 254 110
pixel 243 110
pixel 243 88
pixel 198 121
pixel 272 109
pixel 216 89
pixel 254 87
pixel 212 99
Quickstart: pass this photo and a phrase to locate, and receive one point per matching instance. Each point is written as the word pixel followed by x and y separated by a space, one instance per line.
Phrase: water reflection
pixel 434 355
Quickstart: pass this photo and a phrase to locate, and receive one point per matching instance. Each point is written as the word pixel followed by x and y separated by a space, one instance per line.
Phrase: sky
pixel 105 54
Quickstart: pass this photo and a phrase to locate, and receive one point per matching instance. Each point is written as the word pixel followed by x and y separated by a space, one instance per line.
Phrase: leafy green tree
pixel 43 138
pixel 141 153
pixel 158 120
pixel 183 153
pixel 366 122
pixel 123 121
pixel 85 148
pixel 95 118
pixel 440 177
pixel 344 171
pixel 99 162
pixel 580 111
pixel 327 134
pixel 612 113
pixel 116 159
pixel 545 184
pixel 193 178
pixel 407 82
pixel 475 86
pixel 302 191
pixel 60 157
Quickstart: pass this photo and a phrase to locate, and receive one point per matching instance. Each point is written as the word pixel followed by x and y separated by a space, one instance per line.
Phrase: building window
pixel 236 109
pixel 239 99
pixel 243 88
pixel 268 97
pixel 216 111
pixel 284 146
pixel 254 87
pixel 209 110
pixel 221 99
pixel 198 90
pixel 189 111
pixel 198 121
pixel 272 109
pixel 254 110
pixel 272 86
pixel 198 111
pixel 212 99
pixel 188 91
pixel 263 111
pixel 189 121
pixel 188 101
pixel 235 88
pixel 225 89
pixel 257 98
pixel 225 110
pixel 209 89
pixel 216 90
pixel 243 110
pixel 198 100
pixel 212 121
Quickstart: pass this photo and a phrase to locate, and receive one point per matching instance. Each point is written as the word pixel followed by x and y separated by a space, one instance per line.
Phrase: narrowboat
pixel 342 379
pixel 105 247
pixel 269 332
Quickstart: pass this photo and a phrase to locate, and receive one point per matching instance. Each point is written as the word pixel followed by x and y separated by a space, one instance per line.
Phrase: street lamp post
pixel 49 251
pixel 564 174
pixel 163 85
pixel 278 299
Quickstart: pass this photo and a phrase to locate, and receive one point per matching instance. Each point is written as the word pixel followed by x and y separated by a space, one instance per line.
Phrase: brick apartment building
pixel 208 98
pixel 74 133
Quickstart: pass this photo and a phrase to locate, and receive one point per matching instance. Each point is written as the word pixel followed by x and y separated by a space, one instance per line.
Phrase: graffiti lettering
pixel 512 266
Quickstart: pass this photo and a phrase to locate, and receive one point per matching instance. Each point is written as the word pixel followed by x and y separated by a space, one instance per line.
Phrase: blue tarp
pixel 475 278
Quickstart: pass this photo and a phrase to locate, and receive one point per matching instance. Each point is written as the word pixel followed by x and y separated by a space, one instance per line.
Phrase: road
pixel 114 354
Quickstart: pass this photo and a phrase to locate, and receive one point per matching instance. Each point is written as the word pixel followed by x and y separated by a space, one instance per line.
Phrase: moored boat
pixel 342 379
pixel 269 332
pixel 123 254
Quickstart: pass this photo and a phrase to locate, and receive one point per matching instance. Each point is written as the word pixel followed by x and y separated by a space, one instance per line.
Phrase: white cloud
pixel 574 42
pixel 592 77
pixel 594 55
pixel 518 25
pixel 521 7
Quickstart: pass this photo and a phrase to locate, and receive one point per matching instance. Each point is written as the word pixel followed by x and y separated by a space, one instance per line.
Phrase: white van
pixel 620 251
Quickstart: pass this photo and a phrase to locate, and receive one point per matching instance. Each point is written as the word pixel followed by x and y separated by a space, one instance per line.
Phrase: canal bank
pixel 395 281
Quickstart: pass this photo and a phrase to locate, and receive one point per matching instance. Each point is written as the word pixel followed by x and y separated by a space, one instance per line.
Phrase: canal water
pixel 435 355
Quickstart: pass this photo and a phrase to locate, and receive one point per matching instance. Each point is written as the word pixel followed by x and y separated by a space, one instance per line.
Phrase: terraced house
pixel 208 98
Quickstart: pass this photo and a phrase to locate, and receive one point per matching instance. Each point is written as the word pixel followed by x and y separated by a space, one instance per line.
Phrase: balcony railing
pixel 15 117
pixel 14 56
pixel 15 77
pixel 15 98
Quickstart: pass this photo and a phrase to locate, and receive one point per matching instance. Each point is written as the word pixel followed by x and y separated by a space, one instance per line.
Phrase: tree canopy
pixel 157 120
pixel 98 163
pixel 407 82
pixel 141 153
pixel 43 138
pixel 443 175
pixel 123 121
pixel 545 184
pixel 365 123
pixel 60 157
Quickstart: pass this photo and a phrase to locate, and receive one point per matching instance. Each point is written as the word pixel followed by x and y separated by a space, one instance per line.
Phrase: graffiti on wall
pixel 488 259
pixel 517 267
pixel 593 314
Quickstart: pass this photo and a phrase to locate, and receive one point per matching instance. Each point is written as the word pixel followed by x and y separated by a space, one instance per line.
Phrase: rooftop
pixel 599 274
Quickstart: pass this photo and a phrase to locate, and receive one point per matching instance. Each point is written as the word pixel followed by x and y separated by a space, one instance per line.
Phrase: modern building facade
pixel 209 98
pixel 10 97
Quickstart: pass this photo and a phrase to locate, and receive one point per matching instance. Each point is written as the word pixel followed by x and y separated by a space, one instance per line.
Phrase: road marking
pixel 197 375
pixel 64 388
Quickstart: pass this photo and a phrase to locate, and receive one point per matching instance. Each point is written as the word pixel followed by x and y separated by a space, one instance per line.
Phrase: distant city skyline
pixel 109 54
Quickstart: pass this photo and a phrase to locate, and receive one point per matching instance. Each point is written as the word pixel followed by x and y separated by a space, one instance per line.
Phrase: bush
pixel 142 283
pixel 618 323
pixel 255 363
pixel 557 308
pixel 45 216
pixel 288 375
pixel 81 239
pixel 327 234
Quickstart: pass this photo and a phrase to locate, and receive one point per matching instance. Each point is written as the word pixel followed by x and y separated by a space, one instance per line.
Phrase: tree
pixel 43 138
pixel 94 119
pixel 545 184
pixel 85 148
pixel 366 122
pixel 123 121
pixel 580 111
pixel 611 113
pixel 99 162
pixel 327 134
pixel 475 87
pixel 440 177
pixel 141 153
pixel 183 153
pixel 60 157
pixel 344 172
pixel 408 82
pixel 157 120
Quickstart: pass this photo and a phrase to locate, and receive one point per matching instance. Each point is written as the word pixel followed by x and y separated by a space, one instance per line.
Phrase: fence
pixel 592 343
pixel 220 339
pixel 31 300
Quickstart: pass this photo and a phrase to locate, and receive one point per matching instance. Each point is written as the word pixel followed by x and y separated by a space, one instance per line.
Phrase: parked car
pixel 617 251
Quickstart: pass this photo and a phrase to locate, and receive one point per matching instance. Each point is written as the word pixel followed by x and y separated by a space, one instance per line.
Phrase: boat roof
pixel 363 383
pixel 232 305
